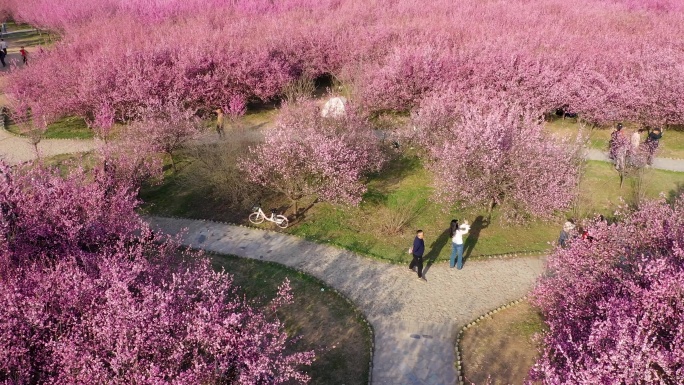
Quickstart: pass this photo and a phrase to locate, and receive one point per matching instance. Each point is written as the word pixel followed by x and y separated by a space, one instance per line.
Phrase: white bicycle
pixel 258 216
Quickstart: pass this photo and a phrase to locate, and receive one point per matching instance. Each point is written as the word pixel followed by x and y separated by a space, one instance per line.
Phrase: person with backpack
pixel 652 143
pixel 417 250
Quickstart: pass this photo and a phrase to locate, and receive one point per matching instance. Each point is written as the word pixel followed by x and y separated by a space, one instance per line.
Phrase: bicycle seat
pixel 274 211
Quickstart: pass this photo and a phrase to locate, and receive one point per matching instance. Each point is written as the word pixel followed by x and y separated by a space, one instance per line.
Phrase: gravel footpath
pixel 16 149
pixel 415 322
pixel 668 164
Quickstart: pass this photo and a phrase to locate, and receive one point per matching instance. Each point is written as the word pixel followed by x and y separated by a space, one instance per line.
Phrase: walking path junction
pixel 415 323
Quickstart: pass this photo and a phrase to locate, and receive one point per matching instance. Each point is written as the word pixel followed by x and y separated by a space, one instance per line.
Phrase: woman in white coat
pixel 457 233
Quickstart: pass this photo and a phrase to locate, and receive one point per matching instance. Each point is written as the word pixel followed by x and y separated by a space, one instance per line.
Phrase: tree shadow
pixel 298 216
pixel 435 249
pixel 478 225
pixel 676 193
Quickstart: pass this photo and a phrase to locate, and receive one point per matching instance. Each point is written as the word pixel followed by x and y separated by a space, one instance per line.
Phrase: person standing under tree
pixel 3 46
pixel 219 123
pixel 417 250
pixel 2 58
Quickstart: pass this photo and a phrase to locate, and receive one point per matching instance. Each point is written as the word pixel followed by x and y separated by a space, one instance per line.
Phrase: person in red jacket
pixel 24 55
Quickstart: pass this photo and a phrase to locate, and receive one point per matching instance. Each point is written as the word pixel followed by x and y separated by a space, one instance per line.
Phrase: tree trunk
pixel 173 163
pixel 491 207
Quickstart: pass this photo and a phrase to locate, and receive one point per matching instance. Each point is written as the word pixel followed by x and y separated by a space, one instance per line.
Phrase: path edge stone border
pixel 457 345
pixel 512 254
pixel 355 309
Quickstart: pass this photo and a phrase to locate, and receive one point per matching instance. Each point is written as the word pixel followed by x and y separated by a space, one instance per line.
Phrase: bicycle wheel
pixel 282 221
pixel 256 218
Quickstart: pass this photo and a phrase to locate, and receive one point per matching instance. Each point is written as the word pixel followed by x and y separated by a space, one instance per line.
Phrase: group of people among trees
pixel 632 151
pixel 3 53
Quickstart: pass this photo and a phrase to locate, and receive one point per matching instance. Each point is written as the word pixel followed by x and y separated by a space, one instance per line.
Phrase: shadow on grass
pixel 435 249
pixel 476 228
pixel 676 193
pixel 395 172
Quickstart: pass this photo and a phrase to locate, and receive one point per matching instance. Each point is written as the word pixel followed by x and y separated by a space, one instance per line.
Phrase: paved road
pixel 415 322
pixel 658 163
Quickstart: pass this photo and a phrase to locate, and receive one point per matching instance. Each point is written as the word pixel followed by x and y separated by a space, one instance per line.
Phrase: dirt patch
pixel 502 347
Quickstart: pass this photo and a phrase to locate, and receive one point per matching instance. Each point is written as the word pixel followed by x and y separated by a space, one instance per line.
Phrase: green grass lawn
pixel 65 128
pixel 14 26
pixel 405 195
pixel 325 321
pixel 671 145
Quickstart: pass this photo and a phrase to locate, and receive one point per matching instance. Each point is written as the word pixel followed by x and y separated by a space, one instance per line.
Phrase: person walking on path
pixel 635 153
pixel 24 55
pixel 652 143
pixel 219 123
pixel 618 146
pixel 417 250
pixel 2 58
pixel 457 234
pixel 3 46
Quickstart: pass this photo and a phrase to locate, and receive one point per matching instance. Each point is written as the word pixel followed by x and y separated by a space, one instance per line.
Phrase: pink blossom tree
pixel 613 305
pixel 170 128
pixel 91 295
pixel 306 154
pixel 497 156
pixel 627 62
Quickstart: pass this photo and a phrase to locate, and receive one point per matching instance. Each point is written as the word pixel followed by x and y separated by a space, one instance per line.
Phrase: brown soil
pixel 502 347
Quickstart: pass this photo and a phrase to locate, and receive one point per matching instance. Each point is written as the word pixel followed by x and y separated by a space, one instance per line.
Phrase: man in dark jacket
pixel 418 250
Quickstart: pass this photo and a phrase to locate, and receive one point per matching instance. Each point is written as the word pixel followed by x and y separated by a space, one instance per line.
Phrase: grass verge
pixel 502 347
pixel 325 321
pixel 398 202
pixel 64 128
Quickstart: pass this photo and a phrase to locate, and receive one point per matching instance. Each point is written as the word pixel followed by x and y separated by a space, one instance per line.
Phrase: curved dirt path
pixel 415 322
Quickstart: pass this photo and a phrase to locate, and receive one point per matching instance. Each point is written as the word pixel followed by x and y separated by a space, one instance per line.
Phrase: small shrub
pixel 216 167
pixel 390 221
pixel 299 89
